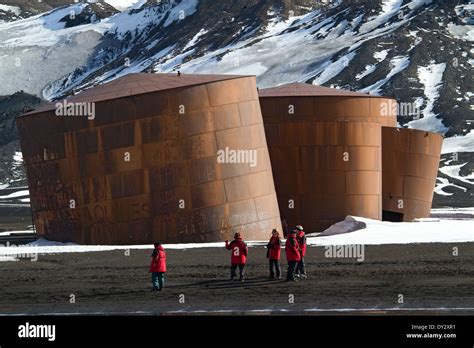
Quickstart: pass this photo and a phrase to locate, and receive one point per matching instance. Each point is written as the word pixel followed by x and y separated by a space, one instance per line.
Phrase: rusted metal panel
pixel 199 146
pixel 208 194
pixel 410 167
pixel 117 136
pixel 247 186
pixel 146 167
pixel 126 184
pixel 362 182
pixel 245 212
pixel 232 91
pixel 247 109
pixel 363 158
pixel 365 204
pixel 266 207
pixel 191 98
pixel 342 107
pixel 246 137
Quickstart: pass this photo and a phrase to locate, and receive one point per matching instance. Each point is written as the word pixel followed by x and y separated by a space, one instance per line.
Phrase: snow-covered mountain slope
pixel 417 51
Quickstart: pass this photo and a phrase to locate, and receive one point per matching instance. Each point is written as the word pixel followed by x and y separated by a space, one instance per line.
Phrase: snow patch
pixel 431 77
pixel 462 143
pixel 384 232
pixel 334 69
pixel 443 183
pixel 381 55
pixel 398 64
pixel 195 39
pixel 453 172
pixel 461 32
pixel 389 9
pixel 369 69
pixel 21 193
pixel 468 210
pixel 181 11
pixel 123 5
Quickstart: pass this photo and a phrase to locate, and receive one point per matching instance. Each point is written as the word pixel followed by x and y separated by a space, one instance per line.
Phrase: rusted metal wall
pixel 172 188
pixel 410 160
pixel 326 155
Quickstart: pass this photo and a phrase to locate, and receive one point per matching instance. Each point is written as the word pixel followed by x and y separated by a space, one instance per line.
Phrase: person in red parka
pixel 301 238
pixel 293 255
pixel 158 267
pixel 238 256
pixel 273 254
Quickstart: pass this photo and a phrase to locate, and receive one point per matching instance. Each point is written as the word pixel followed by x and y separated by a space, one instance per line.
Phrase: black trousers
pixel 290 275
pixel 233 268
pixel 275 264
pixel 300 268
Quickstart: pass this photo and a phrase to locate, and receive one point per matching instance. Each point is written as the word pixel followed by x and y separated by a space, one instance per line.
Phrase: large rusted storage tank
pixel 150 165
pixel 410 160
pixel 326 152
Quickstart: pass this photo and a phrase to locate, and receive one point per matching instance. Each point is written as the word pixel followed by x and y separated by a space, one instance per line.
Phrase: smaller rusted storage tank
pixel 410 160
pixel 326 152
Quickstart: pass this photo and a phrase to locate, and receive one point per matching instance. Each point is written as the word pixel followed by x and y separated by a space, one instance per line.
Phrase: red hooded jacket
pixel 239 251
pixel 292 248
pixel 158 260
pixel 301 238
pixel 274 248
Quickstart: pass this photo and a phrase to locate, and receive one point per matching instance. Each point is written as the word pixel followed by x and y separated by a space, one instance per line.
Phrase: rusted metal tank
pixel 326 152
pixel 154 163
pixel 410 160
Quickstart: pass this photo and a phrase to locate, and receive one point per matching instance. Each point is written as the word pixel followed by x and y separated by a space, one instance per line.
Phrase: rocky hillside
pixel 11 168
